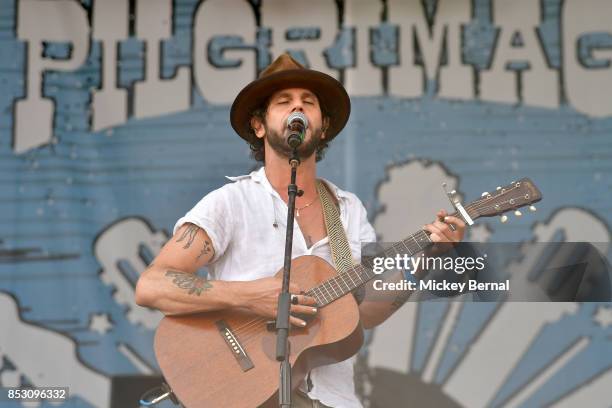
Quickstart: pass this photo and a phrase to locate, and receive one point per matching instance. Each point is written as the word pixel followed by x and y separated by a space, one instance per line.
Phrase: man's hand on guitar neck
pixel 379 305
pixel 445 231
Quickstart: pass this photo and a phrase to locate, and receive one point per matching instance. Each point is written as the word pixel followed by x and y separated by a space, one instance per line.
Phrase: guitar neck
pixel 352 278
pixel 511 197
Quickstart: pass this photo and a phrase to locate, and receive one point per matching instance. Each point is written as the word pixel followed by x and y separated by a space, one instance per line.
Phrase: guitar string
pixel 477 205
pixel 244 328
pixel 248 334
pixel 254 323
pixel 248 326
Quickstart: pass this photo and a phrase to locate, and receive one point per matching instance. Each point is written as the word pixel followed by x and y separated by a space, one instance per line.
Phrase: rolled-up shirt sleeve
pixel 213 214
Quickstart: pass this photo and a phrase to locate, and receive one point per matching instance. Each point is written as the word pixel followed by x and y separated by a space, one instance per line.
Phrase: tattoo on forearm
pixel 194 284
pixel 206 249
pixel 189 234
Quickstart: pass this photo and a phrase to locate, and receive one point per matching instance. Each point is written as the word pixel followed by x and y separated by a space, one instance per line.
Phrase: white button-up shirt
pixel 246 222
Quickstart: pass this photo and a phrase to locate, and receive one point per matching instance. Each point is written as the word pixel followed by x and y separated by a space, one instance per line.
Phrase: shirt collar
pixel 259 176
pixel 255 175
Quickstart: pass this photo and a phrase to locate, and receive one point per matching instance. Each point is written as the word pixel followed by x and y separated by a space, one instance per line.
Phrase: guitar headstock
pixel 515 195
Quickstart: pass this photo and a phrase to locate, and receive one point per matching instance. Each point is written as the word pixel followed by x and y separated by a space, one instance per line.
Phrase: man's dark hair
pixel 257 146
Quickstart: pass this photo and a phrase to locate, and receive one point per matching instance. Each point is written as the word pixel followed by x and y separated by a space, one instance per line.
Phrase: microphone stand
pixel 284 299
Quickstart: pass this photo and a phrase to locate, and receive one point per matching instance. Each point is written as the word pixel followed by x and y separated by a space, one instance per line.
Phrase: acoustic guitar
pixel 227 358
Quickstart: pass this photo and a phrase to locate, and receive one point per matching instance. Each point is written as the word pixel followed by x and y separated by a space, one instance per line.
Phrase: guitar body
pixel 205 369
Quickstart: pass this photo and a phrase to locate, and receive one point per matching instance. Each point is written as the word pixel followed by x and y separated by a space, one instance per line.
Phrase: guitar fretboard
pixel 352 278
pixel 510 197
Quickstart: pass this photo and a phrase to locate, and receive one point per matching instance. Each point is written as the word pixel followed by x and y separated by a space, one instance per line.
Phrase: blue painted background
pixel 56 200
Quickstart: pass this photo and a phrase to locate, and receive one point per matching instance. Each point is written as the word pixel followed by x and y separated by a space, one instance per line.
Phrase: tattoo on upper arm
pixel 206 249
pixel 194 284
pixel 189 234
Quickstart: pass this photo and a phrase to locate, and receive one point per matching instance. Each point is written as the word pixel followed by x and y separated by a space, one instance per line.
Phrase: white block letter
pixel 110 25
pixel 39 22
pixel 540 84
pixel 589 90
pixel 220 85
pixel 365 78
pixel 155 96
pixel 282 15
pixel 455 79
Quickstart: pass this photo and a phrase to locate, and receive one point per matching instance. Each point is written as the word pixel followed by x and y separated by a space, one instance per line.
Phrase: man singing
pixel 238 230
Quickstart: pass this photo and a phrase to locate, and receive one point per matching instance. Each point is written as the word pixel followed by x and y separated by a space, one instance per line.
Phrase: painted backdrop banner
pixel 114 121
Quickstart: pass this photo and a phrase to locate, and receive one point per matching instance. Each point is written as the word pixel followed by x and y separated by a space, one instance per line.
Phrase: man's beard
pixel 279 144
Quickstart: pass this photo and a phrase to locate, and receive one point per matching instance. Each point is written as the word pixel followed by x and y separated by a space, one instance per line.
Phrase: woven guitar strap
pixel 338 243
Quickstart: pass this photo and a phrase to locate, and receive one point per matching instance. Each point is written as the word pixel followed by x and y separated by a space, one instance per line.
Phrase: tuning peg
pixel 498 188
pixel 518 213
pixel 532 208
pixel 485 193
pixel 454 192
pixel 503 218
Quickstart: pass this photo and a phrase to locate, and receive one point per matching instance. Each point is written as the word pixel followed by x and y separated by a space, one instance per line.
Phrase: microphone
pixel 297 123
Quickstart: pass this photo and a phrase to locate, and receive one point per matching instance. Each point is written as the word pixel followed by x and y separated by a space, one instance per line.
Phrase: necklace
pixel 297 210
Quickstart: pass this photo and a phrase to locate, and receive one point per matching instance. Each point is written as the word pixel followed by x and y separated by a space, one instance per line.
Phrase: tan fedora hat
pixel 283 73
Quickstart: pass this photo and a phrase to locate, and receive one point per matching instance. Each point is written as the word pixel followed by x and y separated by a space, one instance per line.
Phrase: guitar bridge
pixel 234 345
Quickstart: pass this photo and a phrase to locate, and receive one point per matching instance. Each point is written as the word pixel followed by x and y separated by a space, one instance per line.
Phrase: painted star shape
pixel 100 323
pixel 603 316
